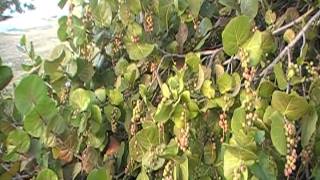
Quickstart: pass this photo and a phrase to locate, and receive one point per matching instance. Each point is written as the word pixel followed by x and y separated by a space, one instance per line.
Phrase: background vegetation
pixel 160 89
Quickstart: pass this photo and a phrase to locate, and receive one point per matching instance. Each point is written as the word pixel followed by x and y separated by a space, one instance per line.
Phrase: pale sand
pixel 44 40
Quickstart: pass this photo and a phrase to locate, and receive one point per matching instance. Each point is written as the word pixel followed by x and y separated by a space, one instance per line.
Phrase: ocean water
pixel 44 16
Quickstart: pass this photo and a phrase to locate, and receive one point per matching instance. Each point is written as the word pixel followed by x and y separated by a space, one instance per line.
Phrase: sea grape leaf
pixel 308 125
pixel 236 32
pixel 28 92
pixel 278 136
pixel 5 76
pixel 292 106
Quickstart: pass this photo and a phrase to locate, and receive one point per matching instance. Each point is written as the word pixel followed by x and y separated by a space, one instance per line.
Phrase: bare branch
pixel 211 52
pixel 284 52
pixel 292 23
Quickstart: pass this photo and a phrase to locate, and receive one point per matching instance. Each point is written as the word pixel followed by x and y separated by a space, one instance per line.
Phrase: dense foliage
pixel 13 5
pixel 161 89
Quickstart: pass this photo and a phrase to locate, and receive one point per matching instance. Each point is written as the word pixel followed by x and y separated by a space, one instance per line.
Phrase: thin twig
pixel 292 23
pixel 290 45
pixel 211 52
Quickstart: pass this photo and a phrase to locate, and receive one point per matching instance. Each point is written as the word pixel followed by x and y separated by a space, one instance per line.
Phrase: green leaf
pixel 165 90
pixel 207 90
pixel 121 66
pixel 280 76
pixel 204 27
pixel 142 141
pixel 278 136
pixel 62 3
pixel 29 91
pixel 238 118
pixel 253 47
pixel 134 6
pixel 164 111
pixel 102 12
pixel 80 99
pixel 193 61
pixel 232 4
pixel 99 174
pixel 139 51
pixel 142 176
pixel 85 70
pixel 149 161
pixel 195 6
pixel 224 83
pixel 115 97
pixel 230 162
pixel 47 174
pixel 308 126
pixel 33 124
pixel 243 153
pixel 266 89
pixel 314 91
pixel 292 106
pixel 235 34
pixel 96 113
pixel 249 7
pixel 267 114
pixel 181 171
pixel 5 76
pixel 265 168
pixel 43 113
pixel 18 141
pixel 209 153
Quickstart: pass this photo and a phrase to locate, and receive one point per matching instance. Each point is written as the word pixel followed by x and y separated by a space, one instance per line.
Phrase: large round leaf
pixel 29 91
pixel 5 76
pixel 18 141
pixel 80 99
pixel 235 34
pixel 102 12
pixel 99 174
pixel 47 174
pixel 224 83
pixel 292 106
pixel 33 124
pixel 142 141
pixel 139 51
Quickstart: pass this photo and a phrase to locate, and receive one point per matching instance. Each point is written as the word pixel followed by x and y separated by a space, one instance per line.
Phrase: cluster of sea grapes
pixel 64 94
pixel 154 157
pixel 251 97
pixel 238 171
pixel 168 171
pixel 192 84
pixel 312 70
pixel 183 137
pixel 148 22
pixel 291 158
pixel 114 120
pixel 117 43
pixel 223 123
pixel 136 117
pixel 306 155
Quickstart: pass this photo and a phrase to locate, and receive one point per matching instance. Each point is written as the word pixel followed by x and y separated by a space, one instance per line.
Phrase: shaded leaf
pixel 99 174
pixel 47 174
pixel 5 76
pixel 28 92
pixel 308 126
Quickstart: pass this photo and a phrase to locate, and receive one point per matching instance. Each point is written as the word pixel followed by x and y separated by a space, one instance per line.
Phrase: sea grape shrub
pixel 164 89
